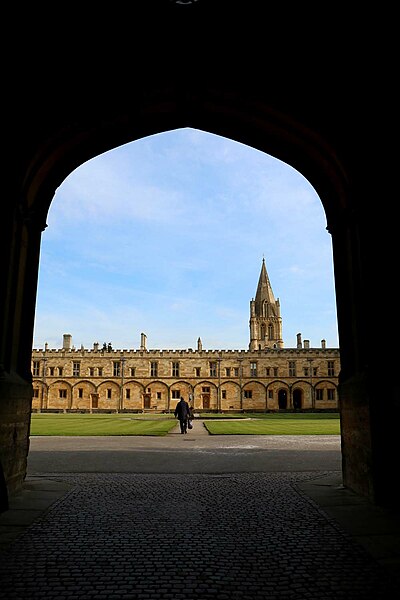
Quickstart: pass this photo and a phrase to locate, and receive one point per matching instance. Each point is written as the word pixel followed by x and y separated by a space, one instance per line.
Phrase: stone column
pixel 368 394
pixel 22 233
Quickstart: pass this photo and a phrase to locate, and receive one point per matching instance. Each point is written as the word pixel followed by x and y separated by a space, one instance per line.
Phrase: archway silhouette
pixel 285 126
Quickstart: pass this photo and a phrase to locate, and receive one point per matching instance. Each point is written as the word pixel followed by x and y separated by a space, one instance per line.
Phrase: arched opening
pixel 282 399
pixel 297 399
pixel 134 232
pixel 284 127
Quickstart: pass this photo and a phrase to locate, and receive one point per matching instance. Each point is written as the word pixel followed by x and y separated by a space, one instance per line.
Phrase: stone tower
pixel 265 316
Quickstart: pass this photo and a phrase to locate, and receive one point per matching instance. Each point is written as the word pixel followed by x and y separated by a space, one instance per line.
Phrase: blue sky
pixel 166 236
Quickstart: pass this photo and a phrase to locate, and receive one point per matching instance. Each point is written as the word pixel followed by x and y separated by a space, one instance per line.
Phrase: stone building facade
pixel 266 377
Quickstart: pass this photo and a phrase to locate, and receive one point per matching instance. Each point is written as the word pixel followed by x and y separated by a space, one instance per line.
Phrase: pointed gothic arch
pixel 326 144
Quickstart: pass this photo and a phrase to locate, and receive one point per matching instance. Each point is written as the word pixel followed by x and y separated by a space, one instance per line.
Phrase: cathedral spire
pixel 264 290
pixel 265 316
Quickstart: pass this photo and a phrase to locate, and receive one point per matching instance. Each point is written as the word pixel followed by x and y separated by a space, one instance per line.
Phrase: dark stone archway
pixel 321 120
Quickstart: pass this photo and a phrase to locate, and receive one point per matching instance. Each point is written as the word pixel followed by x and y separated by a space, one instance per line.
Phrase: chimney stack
pixel 67 341
pixel 299 343
pixel 143 342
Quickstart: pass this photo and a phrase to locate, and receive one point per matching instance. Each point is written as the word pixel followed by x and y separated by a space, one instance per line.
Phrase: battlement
pixel 162 353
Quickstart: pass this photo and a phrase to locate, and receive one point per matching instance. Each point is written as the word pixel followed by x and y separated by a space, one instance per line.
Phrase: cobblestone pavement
pixel 244 536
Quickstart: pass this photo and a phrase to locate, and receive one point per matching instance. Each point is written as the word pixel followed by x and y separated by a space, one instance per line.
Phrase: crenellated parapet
pixel 164 353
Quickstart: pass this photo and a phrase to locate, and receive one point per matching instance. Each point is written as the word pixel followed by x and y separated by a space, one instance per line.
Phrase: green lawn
pixel 276 425
pixel 101 424
pixel 77 424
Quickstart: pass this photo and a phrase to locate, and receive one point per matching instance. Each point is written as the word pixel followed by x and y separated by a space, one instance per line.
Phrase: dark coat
pixel 182 410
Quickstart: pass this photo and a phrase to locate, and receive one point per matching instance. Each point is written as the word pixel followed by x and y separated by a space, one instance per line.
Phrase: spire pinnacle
pixel 264 290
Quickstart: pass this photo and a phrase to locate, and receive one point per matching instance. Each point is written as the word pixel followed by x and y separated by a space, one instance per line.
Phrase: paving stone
pixel 155 537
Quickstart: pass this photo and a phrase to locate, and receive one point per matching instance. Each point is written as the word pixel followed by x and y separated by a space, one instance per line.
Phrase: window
pixel 132 371
pixel 80 392
pixel 176 394
pixel 153 369
pixel 331 394
pixel 60 371
pixel 292 368
pixel 253 369
pixel 36 393
pixel 319 394
pixel 270 394
pixel 62 393
pixel 91 371
pixel 205 390
pixel 36 368
pixel 213 369
pixel 197 371
pixel 158 395
pixel 275 371
pixel 76 369
pixel 236 371
pixel 100 371
pixel 224 394
pixel 117 368
pixel 248 394
pixel 51 371
pixel 175 369
pixel 267 371
pixel 331 368
pixel 127 393
pixel 228 372
pixel 306 371
pixel 109 393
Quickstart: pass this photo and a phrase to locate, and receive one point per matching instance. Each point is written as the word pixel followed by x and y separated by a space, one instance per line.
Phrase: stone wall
pixel 15 414
pixel 123 380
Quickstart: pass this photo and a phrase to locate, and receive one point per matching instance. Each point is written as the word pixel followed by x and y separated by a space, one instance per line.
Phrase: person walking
pixel 182 412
